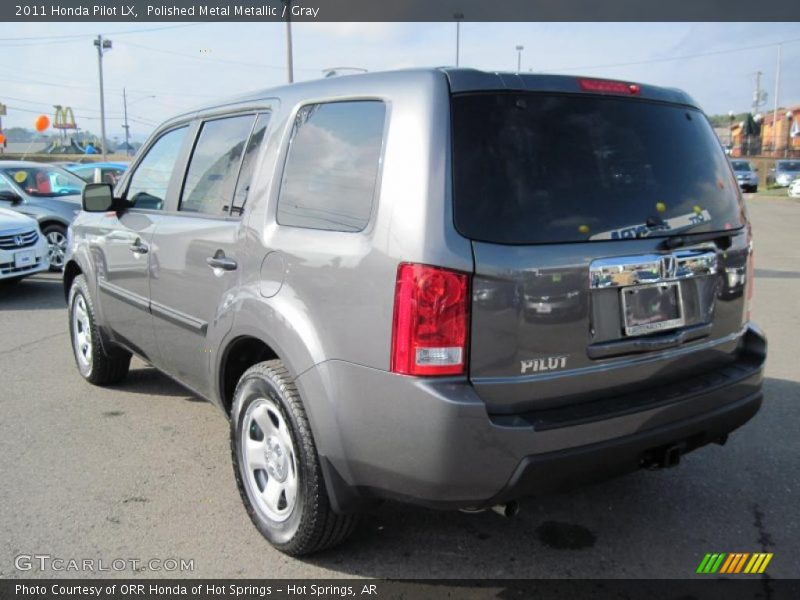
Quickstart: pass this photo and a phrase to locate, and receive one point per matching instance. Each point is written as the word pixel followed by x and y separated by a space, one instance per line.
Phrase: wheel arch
pixel 239 354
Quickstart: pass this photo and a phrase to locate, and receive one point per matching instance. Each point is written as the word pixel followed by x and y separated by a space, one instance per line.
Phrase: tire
pixel 96 363
pixel 283 489
pixel 57 245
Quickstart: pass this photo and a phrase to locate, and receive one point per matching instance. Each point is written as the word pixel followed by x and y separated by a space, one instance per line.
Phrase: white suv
pixel 23 248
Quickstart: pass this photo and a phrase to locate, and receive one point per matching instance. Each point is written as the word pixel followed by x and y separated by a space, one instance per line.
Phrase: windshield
pixel 741 165
pixel 45 180
pixel 791 165
pixel 542 168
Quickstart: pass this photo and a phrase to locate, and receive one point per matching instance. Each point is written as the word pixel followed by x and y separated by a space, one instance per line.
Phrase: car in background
pixel 100 172
pixel 785 172
pixel 23 248
pixel 794 189
pixel 49 194
pixel 746 175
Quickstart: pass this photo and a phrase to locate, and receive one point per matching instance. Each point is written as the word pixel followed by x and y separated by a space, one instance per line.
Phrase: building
pixel 762 138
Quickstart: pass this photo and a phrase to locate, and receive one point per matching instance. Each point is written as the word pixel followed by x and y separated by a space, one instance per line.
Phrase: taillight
pixel 430 327
pixel 750 273
pixel 603 85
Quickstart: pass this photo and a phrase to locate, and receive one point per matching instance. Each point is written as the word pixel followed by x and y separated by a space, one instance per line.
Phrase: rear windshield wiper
pixel 722 238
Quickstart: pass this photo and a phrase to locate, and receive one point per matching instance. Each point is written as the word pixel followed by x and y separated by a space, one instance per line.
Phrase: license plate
pixel 24 259
pixel 652 307
pixel 544 309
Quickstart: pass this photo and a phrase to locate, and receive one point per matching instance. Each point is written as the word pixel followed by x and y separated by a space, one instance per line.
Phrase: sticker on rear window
pixel 642 230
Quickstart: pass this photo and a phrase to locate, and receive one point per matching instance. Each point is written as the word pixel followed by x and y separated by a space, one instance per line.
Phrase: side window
pixel 332 166
pixel 148 185
pixel 248 164
pixel 214 165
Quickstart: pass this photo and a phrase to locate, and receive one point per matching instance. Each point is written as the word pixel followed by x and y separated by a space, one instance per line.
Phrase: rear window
pixel 537 168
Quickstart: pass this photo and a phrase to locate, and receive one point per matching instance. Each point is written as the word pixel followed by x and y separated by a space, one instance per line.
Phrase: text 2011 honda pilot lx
pixel 448 287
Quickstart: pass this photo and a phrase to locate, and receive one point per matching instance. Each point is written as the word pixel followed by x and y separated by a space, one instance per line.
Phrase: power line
pixel 683 57
pixel 90 35
pixel 212 59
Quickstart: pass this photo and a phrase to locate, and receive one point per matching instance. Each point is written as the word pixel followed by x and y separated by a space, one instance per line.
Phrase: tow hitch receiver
pixel 664 457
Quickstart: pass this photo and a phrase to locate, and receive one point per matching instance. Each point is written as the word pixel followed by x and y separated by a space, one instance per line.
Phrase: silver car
pixel 23 248
pixel 785 172
pixel 49 194
pixel 746 175
pixel 442 286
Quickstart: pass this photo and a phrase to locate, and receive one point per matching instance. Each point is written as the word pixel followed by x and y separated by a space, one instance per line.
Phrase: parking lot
pixel 143 471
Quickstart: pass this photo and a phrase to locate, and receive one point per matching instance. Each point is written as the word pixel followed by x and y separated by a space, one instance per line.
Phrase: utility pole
pixel 458 17
pixel 757 97
pixel 102 45
pixel 289 66
pixel 775 104
pixel 126 127
pixel 519 58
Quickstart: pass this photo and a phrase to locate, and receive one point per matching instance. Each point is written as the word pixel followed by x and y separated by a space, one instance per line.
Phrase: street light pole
pixel 458 17
pixel 126 127
pixel 102 45
pixel 289 62
pixel 519 58
pixel 788 131
pixel 775 104
pixel 731 117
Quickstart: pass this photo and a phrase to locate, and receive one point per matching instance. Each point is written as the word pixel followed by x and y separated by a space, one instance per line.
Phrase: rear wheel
pixel 276 465
pixel 96 364
pixel 57 245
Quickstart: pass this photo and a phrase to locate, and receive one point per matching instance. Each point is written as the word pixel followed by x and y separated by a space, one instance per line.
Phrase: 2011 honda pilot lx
pixel 448 287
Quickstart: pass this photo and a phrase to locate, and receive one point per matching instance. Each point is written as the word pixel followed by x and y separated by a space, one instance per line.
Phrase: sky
pixel 168 68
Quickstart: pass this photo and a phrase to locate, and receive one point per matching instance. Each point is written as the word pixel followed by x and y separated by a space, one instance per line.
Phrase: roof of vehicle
pixel 22 164
pixel 102 165
pixel 459 79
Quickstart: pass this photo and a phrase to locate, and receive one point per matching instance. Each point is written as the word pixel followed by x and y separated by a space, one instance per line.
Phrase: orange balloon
pixel 2 139
pixel 42 123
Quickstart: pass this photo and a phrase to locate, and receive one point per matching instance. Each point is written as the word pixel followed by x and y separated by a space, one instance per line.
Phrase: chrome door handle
pixel 138 247
pixel 220 261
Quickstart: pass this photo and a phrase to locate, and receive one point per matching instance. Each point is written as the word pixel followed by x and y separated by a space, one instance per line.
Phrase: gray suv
pixel 444 286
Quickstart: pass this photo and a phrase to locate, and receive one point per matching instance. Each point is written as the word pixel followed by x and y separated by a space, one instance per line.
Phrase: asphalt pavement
pixel 142 471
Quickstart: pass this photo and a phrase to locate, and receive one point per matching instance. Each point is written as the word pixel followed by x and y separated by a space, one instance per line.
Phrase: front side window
pixel 150 180
pixel 332 166
pixel 214 166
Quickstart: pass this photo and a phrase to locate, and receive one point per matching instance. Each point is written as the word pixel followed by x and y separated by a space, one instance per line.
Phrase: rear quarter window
pixel 332 166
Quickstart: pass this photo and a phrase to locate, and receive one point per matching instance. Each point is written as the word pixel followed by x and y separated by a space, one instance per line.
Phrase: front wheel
pixel 57 245
pixel 276 465
pixel 96 364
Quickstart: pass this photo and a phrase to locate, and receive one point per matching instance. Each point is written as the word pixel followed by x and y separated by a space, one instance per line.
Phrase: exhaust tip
pixel 509 510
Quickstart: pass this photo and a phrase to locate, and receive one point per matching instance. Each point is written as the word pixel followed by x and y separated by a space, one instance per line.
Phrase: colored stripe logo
pixel 734 563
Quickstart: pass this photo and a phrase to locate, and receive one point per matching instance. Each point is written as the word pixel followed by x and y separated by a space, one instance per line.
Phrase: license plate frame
pixel 24 258
pixel 673 315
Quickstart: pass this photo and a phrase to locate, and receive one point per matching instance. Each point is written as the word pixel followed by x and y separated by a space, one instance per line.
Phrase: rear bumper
pixel 431 442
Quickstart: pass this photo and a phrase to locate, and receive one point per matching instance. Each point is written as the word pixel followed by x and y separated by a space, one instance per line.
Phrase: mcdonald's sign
pixel 64 118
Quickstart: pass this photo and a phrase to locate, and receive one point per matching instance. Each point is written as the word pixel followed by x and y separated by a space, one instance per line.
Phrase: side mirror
pixel 10 196
pixel 756 169
pixel 98 197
